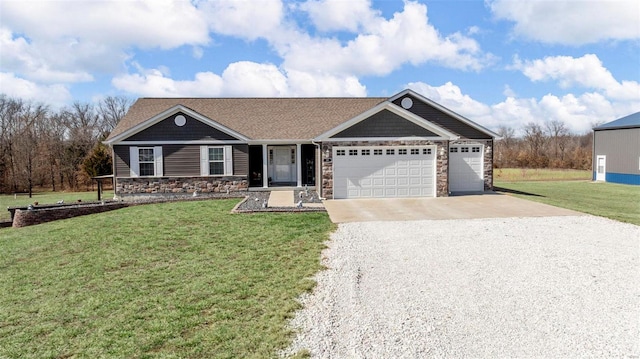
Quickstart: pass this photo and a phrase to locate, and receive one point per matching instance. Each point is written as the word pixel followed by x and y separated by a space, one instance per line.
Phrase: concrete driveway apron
pixel 488 205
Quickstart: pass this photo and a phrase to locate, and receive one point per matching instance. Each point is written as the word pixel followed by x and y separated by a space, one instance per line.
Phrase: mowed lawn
pixel 615 201
pixel 171 280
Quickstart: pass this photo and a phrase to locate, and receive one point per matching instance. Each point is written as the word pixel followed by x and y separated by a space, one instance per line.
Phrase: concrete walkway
pixel 488 205
pixel 286 199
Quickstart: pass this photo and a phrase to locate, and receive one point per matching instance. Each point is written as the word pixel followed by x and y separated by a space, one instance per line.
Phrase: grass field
pixel 170 280
pixel 615 201
pixel 539 174
pixel 47 198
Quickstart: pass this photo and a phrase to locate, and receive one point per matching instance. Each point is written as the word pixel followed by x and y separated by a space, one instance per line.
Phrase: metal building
pixel 616 151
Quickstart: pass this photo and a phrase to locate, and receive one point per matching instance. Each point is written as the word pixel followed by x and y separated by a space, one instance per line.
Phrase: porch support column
pixel 265 166
pixel 299 164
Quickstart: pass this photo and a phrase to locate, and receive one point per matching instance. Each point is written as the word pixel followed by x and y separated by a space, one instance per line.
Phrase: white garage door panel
pixel 466 168
pixel 397 173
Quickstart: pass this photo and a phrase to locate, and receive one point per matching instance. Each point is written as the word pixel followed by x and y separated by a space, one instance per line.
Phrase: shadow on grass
pixel 507 190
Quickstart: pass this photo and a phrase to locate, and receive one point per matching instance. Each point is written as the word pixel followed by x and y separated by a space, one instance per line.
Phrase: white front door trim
pixel 601 168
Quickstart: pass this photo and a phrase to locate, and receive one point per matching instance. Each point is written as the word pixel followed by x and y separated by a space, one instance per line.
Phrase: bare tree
pixel 111 110
pixel 558 136
pixel 505 146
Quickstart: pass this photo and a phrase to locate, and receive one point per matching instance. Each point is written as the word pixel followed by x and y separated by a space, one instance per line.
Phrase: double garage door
pixel 381 171
pixel 403 171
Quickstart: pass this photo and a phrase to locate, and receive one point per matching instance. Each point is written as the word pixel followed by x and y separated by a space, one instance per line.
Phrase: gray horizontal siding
pixel 121 159
pixel 193 130
pixel 622 148
pixel 181 160
pixel 385 124
pixel 442 119
pixel 241 160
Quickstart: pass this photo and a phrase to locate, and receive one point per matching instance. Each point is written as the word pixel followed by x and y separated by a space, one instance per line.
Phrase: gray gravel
pixel 514 287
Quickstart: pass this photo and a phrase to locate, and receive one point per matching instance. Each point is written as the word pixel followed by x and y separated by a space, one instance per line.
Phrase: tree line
pixel 57 149
pixel 550 145
pixel 62 149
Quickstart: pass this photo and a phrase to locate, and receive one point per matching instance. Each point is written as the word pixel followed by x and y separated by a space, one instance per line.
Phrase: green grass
pixel 539 174
pixel 615 201
pixel 169 280
pixel 47 198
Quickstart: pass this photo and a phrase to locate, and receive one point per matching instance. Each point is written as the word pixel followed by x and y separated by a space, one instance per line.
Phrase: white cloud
pixel 242 78
pixel 384 45
pixel 579 113
pixel 243 18
pixel 56 95
pixel 571 22
pixel 587 71
pixel 339 15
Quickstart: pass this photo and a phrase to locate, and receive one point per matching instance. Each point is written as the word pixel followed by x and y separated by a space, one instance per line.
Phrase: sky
pixel 496 62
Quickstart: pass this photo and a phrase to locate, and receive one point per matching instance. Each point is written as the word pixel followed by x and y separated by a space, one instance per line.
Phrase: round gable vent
pixel 406 103
pixel 180 120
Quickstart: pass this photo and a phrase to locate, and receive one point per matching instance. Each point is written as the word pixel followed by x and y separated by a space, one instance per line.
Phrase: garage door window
pixel 464 149
pixel 426 151
pixel 353 152
pixel 377 152
pixel 475 149
pixel 391 152
pixel 415 151
pixel 453 149
pixel 340 152
pixel 366 152
pixel 402 151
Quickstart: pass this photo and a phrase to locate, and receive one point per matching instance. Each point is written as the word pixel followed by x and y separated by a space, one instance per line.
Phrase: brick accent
pixel 178 185
pixel 442 162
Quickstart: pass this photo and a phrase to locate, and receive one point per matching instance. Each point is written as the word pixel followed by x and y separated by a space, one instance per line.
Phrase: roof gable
pixel 196 127
pixel 393 109
pixel 630 121
pixel 442 116
pixel 385 124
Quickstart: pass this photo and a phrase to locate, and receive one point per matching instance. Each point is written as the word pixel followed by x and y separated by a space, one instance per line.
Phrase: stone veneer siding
pixel 177 185
pixel 487 160
pixel 442 162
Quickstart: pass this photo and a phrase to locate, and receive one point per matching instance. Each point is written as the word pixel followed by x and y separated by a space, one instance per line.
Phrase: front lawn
pixel 615 201
pixel 169 280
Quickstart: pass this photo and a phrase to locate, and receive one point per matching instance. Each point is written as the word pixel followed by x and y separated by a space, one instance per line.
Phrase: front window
pixel 146 162
pixel 216 161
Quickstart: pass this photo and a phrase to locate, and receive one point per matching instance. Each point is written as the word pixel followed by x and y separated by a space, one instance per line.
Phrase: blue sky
pixel 497 62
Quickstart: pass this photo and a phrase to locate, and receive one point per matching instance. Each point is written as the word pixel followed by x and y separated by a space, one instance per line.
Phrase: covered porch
pixel 283 165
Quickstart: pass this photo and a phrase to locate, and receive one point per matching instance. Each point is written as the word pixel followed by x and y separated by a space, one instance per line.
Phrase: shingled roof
pixel 258 118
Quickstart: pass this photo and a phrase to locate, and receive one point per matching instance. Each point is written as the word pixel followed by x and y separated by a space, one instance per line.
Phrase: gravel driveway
pixel 507 287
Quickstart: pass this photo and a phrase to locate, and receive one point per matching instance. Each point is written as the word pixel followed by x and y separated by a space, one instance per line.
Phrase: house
pixel 402 146
pixel 616 151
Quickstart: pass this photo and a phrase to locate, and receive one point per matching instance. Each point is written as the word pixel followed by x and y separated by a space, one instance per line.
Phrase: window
pixel 353 152
pixel 145 161
pixel 464 149
pixel 402 151
pixel 377 152
pixel 426 151
pixel 365 152
pixel 415 151
pixel 453 149
pixel 475 149
pixel 391 152
pixel 340 152
pixel 216 161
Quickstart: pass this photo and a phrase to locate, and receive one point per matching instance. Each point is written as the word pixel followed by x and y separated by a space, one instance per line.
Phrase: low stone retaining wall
pixel 29 217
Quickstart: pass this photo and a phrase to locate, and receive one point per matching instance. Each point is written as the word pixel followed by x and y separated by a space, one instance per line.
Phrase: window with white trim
pixel 145 161
pixel 216 160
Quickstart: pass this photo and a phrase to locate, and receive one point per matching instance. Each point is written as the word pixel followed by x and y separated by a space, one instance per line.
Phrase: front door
pixel 601 168
pixel 283 162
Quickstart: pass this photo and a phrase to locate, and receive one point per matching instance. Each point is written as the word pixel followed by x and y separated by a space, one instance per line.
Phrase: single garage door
pixel 384 171
pixel 466 168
